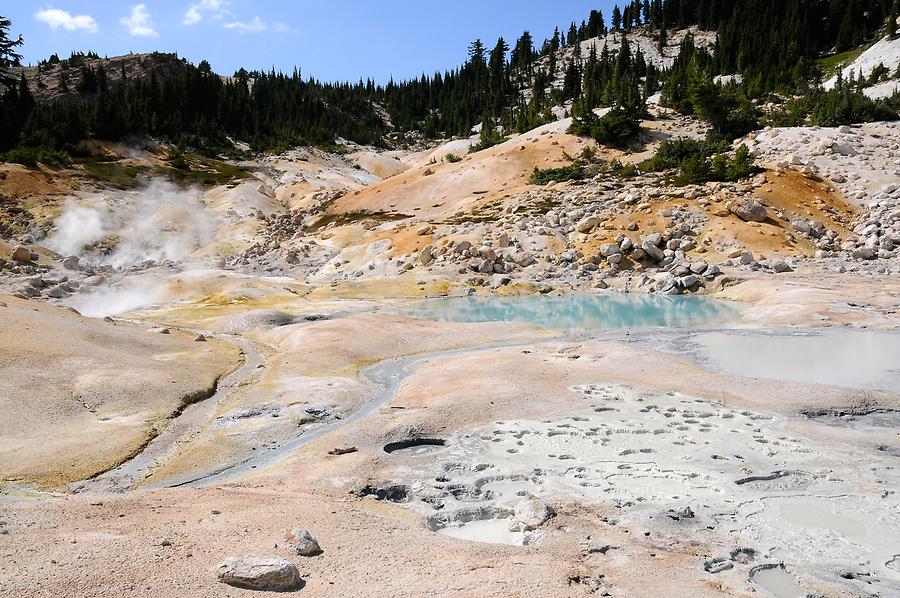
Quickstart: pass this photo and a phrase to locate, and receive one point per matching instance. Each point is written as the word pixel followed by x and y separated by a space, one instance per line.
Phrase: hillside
pixel 83 74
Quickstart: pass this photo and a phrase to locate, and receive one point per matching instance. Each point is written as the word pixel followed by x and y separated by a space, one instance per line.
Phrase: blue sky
pixel 331 40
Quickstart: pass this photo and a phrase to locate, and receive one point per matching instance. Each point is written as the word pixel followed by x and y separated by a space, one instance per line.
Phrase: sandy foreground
pixel 480 380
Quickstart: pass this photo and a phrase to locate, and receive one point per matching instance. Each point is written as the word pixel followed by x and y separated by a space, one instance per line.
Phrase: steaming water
pixel 110 301
pixel 159 222
pixel 579 312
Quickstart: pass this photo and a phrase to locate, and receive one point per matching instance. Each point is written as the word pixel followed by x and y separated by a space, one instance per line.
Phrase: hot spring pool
pixel 579 312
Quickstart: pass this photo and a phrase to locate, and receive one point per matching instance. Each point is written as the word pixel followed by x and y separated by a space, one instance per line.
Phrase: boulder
pixel 864 253
pixel 781 266
pixel 21 254
pixel 655 239
pixel 523 259
pixel 56 292
pixel 265 190
pixel 95 280
pixel 688 282
pixel 699 267
pixel 259 573
pixel 71 263
pixel 652 251
pixel 608 249
pixel 587 224
pixel 487 253
pixel 532 513
pixel 426 255
pixel 303 542
pixel 749 210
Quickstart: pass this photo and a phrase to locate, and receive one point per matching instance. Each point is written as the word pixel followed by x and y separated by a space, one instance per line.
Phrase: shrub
pixel 176 159
pixel 841 105
pixel 575 172
pixel 452 158
pixel 615 128
pixel 701 161
pixel 29 156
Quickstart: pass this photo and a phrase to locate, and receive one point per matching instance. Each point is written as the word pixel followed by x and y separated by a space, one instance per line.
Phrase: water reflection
pixel 578 312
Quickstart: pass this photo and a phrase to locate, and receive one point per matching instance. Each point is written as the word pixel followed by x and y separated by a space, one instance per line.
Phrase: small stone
pixel 199 339
pixel 303 542
pixel 717 565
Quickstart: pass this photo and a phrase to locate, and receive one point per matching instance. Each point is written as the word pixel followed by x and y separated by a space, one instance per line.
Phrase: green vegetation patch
pixel 830 65
pixel 574 172
pixel 701 161
pixel 118 175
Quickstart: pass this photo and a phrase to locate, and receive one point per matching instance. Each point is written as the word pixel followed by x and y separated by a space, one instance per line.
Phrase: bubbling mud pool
pixel 579 312
pixel 736 481
pixel 838 356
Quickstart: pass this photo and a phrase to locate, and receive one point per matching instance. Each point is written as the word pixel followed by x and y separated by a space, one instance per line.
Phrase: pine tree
pixel 616 18
pixel 9 57
pixel 892 21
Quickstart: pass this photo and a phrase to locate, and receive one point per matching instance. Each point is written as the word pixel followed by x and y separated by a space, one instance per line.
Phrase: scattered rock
pixel 259 573
pixel 342 451
pixel 717 565
pixel 587 224
pixel 531 513
pixel 749 210
pixel 426 255
pixel 864 253
pixel 303 542
pixel 70 263
pixel 781 266
pixel 21 254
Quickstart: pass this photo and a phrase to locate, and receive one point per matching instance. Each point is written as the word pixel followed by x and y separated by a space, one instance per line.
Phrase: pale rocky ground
pixel 297 279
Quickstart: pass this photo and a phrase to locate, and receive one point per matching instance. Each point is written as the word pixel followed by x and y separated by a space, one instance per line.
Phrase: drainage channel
pixel 188 422
pixel 386 375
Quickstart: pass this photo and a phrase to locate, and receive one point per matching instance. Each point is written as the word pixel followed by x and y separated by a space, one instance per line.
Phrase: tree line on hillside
pixel 507 86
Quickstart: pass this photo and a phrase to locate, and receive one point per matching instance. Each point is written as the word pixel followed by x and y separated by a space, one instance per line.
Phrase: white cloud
pixel 213 8
pixel 283 28
pixel 138 22
pixel 57 18
pixel 254 26
pixel 192 16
